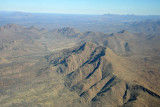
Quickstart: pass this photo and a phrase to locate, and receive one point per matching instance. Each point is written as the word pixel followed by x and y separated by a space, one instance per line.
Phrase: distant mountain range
pixel 107 23
pixel 122 42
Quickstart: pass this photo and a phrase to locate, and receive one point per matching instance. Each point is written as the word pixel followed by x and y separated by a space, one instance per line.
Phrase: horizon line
pixel 81 13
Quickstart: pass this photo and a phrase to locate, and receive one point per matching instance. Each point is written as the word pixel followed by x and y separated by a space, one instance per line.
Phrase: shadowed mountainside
pixel 97 74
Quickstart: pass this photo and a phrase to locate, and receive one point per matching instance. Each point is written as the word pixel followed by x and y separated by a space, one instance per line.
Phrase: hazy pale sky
pixel 139 7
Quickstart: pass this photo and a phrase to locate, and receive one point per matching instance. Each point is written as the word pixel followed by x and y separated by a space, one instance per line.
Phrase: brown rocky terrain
pixel 54 68
pixel 102 78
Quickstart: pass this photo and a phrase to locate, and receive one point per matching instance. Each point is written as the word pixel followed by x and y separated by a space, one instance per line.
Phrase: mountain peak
pixel 85 46
pixel 123 31
pixel 89 44
pixel 68 31
pixel 13 27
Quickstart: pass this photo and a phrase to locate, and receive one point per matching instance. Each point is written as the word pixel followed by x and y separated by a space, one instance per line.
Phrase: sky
pixel 137 7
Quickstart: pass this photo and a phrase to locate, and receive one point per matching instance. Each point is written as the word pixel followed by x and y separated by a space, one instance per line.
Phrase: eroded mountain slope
pixel 101 77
